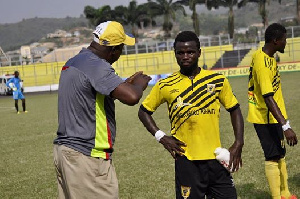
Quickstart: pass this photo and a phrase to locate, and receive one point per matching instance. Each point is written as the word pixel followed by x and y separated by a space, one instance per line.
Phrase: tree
pixel 195 17
pixel 224 3
pixel 133 15
pixel 97 16
pixel 261 8
pixel 298 11
pixel 168 9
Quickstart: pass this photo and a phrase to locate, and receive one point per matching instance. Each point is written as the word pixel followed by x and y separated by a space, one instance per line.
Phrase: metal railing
pixel 156 57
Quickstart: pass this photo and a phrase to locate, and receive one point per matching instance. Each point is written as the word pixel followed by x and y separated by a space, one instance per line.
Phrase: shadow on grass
pixel 249 191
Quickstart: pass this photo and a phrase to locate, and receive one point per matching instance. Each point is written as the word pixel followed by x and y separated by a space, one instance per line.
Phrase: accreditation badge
pixel 211 88
pixel 185 192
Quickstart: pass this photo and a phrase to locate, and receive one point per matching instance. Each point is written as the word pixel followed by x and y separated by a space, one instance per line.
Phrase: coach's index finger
pixel 129 80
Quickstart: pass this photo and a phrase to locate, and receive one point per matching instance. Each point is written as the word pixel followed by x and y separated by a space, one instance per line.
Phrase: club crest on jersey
pixel 185 192
pixel 180 103
pixel 211 88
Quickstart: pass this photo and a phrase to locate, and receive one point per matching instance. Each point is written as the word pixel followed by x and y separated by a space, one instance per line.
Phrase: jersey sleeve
pixel 105 80
pixel 227 98
pixel 153 100
pixel 264 76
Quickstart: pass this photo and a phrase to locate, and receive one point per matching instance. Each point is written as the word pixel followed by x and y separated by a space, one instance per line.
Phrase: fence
pixel 152 58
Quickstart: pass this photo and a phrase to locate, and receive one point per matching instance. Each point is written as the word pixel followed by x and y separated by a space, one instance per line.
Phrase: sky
pixel 13 11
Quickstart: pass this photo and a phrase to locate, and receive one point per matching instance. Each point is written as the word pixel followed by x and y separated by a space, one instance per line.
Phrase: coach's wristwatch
pixel 286 126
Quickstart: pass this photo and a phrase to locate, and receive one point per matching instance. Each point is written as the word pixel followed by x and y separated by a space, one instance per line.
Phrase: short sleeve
pixel 153 100
pixel 227 98
pixel 104 79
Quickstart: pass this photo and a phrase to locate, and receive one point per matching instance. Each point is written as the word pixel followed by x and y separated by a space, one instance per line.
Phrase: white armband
pixel 286 126
pixel 159 134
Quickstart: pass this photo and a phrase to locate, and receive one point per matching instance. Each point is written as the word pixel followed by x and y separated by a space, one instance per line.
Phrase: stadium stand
pixel 291 53
pixel 230 58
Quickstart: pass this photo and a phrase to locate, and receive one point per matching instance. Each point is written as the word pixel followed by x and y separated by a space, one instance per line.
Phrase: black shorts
pixel 200 178
pixel 272 140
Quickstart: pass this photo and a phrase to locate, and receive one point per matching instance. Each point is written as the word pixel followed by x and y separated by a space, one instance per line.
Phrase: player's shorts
pixel 272 140
pixel 81 176
pixel 199 178
pixel 18 95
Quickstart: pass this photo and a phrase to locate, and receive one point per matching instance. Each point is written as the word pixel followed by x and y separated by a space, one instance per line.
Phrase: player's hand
pixel 291 137
pixel 139 79
pixel 172 145
pixel 235 162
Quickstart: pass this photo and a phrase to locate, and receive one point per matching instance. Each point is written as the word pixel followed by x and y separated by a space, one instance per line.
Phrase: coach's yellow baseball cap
pixel 111 33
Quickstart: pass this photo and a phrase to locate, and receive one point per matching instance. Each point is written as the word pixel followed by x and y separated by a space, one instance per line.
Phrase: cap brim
pixel 130 41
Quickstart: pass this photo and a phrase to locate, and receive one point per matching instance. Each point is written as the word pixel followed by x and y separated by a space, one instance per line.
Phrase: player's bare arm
pixel 235 150
pixel 169 142
pixel 130 92
pixel 289 134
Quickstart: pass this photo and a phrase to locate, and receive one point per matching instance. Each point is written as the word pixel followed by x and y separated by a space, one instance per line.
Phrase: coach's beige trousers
pixel 80 176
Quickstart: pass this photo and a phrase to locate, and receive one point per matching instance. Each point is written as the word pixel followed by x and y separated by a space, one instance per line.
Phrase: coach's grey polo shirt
pixel 86 112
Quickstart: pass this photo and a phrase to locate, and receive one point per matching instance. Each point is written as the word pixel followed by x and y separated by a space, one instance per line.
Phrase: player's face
pixel 281 44
pixel 187 55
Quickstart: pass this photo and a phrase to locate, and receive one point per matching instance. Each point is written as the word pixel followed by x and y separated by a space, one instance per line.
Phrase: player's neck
pixel 191 74
pixel 268 50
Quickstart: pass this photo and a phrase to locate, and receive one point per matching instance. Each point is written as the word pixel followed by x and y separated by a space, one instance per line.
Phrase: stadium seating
pixel 231 58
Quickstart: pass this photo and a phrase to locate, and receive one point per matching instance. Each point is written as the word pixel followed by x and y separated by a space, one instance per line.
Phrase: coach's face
pixel 115 53
pixel 187 55
pixel 281 43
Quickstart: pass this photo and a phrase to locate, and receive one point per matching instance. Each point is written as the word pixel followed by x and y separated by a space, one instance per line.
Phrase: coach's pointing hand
pixel 172 145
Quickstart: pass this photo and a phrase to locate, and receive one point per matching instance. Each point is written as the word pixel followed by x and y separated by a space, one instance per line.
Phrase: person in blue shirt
pixel 15 84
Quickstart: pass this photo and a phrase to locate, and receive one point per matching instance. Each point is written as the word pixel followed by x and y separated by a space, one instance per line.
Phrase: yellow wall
pixel 163 62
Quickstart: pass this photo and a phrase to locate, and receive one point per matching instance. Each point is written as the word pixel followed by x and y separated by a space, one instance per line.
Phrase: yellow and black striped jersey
pixel 194 109
pixel 264 81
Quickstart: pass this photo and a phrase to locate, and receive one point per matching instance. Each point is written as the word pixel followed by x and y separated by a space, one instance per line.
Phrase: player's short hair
pixel 186 36
pixel 16 72
pixel 274 31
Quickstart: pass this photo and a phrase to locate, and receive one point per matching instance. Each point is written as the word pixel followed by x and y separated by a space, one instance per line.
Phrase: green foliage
pixel 145 169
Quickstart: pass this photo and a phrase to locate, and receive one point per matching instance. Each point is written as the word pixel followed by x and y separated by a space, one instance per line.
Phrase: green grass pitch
pixel 145 169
